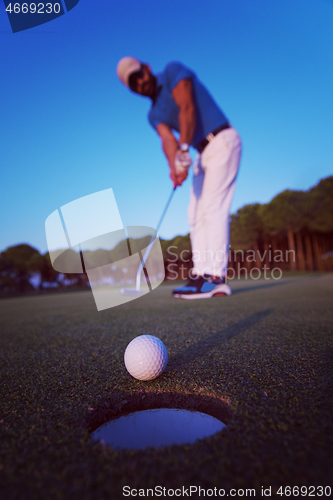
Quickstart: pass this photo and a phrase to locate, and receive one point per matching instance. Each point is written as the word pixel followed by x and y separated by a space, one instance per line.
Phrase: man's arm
pixel 169 143
pixel 169 146
pixel 183 96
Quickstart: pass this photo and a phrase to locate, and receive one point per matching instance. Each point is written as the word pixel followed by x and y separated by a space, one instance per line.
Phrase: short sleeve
pixel 174 73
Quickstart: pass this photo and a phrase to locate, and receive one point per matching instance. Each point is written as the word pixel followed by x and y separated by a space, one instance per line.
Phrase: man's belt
pixel 201 146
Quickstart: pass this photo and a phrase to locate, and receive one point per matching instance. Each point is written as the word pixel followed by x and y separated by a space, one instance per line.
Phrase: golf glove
pixel 183 160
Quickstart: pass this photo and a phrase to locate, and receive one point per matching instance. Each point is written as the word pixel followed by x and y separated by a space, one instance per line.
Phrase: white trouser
pixel 214 180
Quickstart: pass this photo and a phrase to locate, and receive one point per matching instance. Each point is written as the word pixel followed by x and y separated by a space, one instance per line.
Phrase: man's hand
pixel 179 168
pixel 183 161
pixel 181 164
pixel 178 178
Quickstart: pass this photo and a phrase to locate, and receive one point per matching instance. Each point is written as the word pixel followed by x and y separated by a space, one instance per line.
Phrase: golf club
pixel 136 291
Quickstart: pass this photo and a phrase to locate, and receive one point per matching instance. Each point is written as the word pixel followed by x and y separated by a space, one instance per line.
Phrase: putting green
pixel 263 356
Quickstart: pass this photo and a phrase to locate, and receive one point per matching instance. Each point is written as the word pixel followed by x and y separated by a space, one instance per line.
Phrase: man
pixel 181 103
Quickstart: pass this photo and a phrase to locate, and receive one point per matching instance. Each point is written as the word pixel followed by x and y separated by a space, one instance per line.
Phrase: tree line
pixel 293 232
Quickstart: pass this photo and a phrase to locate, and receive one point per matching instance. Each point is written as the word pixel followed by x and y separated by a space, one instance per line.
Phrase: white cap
pixel 126 66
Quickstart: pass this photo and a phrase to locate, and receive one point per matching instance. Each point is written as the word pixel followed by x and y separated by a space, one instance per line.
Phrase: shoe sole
pixel 206 295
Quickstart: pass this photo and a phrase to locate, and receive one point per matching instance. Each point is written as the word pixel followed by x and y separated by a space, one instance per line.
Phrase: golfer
pixel 181 103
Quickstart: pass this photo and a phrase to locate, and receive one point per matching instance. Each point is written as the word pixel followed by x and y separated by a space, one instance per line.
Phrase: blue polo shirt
pixel 165 110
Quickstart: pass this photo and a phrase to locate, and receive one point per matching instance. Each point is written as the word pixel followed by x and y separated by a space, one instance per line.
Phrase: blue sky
pixel 68 128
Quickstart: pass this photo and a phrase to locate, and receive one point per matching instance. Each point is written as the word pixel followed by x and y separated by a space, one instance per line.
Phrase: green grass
pixel 262 358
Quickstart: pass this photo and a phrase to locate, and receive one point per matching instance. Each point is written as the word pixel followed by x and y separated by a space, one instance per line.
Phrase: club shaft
pixel 151 242
pixel 166 208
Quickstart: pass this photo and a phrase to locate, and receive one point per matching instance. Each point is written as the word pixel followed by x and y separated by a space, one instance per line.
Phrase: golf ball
pixel 146 357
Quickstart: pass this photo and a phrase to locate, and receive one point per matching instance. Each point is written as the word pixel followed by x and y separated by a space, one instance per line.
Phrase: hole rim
pixel 121 405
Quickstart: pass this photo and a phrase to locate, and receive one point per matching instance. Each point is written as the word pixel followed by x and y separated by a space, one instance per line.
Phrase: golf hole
pixel 157 428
